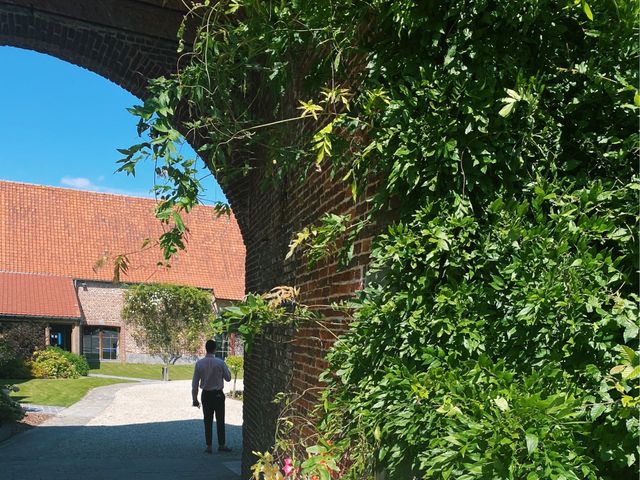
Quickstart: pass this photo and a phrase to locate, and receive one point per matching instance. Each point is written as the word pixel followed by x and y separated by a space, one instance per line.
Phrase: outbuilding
pixel 57 248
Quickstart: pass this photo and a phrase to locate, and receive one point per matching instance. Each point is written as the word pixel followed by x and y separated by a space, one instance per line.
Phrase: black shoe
pixel 222 448
pixel 208 450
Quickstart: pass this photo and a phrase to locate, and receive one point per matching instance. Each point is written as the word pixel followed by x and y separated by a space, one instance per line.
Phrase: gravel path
pixel 138 431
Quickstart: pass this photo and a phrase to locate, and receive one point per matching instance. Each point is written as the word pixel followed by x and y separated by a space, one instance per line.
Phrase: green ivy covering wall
pixel 497 334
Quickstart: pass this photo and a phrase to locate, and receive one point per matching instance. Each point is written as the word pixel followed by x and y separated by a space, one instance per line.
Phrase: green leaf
pixel 630 332
pixel 587 10
pixel 629 353
pixel 631 459
pixel 402 152
pixel 315 449
pixel 597 410
pixel 324 474
pixel 301 237
pixel 513 94
pixel 506 110
pixel 633 374
pixel 617 369
pixel 532 442
pixel 502 403
pixel 309 108
pixel 179 223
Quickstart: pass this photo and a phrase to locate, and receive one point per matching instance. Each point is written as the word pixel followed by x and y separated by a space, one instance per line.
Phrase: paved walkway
pixel 228 385
pixel 133 379
pixel 138 431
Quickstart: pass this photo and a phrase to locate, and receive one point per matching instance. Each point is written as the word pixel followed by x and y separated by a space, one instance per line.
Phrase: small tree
pixel 18 341
pixel 236 365
pixel 22 338
pixel 167 320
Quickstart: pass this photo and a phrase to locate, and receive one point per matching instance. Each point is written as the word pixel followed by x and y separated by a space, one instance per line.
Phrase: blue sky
pixel 61 125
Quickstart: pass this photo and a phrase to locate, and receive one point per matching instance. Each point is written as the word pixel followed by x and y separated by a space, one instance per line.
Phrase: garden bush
pixel 236 366
pixel 22 338
pixel 6 353
pixel 12 366
pixel 78 361
pixel 53 363
pixel 18 341
pixel 10 410
pixel 16 368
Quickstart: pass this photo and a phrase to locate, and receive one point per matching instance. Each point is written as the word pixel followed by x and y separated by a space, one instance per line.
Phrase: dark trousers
pixel 213 402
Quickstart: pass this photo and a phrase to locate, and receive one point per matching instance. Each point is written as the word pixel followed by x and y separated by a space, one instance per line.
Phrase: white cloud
pixel 77 182
pixel 82 183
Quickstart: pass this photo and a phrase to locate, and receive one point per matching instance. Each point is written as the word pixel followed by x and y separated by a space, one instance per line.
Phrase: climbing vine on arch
pixel 497 336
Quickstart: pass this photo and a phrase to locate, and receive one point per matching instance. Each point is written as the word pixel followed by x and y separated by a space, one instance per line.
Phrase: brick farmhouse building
pixel 52 239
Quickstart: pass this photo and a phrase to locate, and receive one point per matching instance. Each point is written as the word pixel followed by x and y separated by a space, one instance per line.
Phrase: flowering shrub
pixel 168 319
pixel 320 465
pixel 78 361
pixel 53 363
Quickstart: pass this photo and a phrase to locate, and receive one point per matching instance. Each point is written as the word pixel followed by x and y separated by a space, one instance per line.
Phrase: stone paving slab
pixel 31 408
pixel 132 430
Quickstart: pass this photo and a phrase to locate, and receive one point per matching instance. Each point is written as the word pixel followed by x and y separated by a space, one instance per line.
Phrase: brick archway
pixel 125 41
pixel 129 41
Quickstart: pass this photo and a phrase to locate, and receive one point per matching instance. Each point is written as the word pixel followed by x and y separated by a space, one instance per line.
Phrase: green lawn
pixel 143 370
pixel 56 392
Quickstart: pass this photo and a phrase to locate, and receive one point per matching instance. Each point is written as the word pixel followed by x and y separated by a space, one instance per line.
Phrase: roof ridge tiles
pixel 14 272
pixel 150 200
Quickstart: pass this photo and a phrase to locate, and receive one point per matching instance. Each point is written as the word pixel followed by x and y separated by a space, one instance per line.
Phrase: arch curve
pixel 126 42
pixel 130 41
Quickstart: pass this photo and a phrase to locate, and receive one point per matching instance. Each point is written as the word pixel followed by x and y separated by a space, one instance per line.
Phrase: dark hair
pixel 210 346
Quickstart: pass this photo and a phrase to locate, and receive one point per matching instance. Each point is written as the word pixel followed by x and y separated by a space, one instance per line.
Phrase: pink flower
pixel 288 466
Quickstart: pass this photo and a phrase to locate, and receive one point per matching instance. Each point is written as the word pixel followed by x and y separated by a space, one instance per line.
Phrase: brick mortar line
pixel 81 24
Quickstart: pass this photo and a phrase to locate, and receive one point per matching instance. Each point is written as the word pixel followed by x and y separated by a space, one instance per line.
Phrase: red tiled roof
pixel 64 232
pixel 28 295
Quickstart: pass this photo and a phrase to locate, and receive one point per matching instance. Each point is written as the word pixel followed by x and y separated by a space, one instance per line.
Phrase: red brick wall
pixel 283 360
pixel 101 304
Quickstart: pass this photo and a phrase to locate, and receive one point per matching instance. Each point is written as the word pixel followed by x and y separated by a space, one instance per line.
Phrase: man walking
pixel 209 374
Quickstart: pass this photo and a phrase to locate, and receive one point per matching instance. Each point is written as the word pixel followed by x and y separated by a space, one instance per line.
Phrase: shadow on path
pixel 125 431
pixel 165 450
